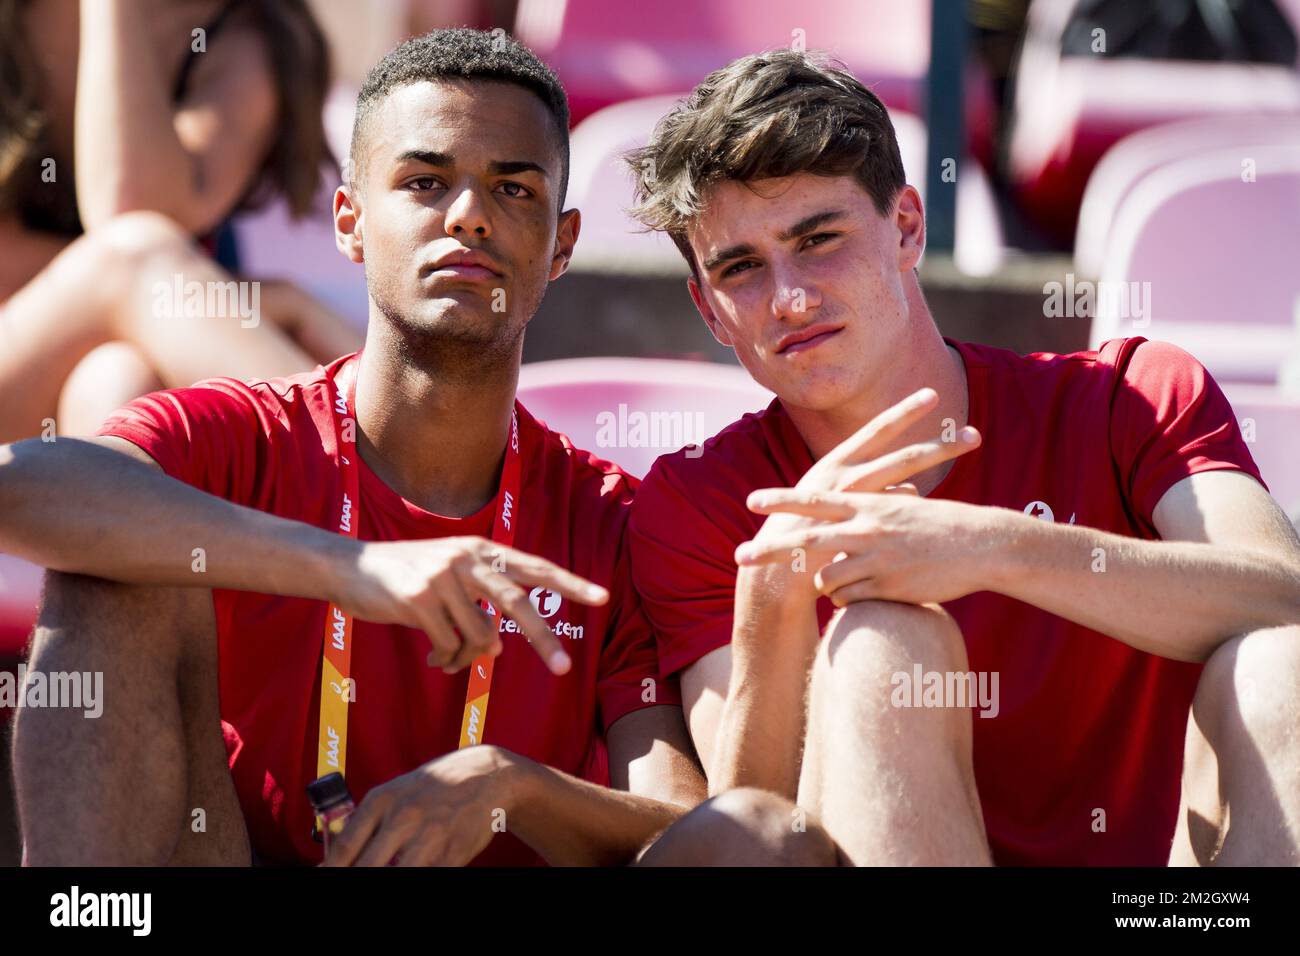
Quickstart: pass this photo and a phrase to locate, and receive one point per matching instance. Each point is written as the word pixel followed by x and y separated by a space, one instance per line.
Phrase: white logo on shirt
pixel 1043 511
pixel 545 601
pixel 1040 509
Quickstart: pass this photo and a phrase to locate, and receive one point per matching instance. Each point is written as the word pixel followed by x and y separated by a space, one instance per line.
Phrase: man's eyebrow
pixel 809 223
pixel 428 157
pixel 507 167
pixel 803 226
pixel 498 167
pixel 726 255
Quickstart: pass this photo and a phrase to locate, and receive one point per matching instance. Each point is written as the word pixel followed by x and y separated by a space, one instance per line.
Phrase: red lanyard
pixel 336 687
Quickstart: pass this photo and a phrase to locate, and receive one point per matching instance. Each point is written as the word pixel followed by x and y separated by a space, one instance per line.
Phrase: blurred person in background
pixel 130 132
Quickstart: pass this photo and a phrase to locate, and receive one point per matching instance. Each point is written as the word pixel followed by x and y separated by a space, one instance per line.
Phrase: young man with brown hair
pixel 1041 563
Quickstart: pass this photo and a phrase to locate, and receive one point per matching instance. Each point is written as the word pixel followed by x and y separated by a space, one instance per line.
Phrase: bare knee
pixel 105 380
pixel 744 827
pixel 79 612
pixel 136 237
pixel 116 265
pixel 124 243
pixel 140 644
pixel 136 634
pixel 1248 687
pixel 867 642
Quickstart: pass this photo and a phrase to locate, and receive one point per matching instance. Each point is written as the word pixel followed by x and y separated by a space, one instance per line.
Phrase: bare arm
pixel 1231 563
pixel 136 150
pixel 571 822
pixel 704 693
pixel 103 507
pixel 95 507
pixel 747 700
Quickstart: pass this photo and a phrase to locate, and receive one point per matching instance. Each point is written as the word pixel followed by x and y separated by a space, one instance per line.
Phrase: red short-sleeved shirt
pixel 1086 722
pixel 270 445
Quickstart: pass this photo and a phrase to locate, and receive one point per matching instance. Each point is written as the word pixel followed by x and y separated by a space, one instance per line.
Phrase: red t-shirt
pixel 1086 722
pixel 270 445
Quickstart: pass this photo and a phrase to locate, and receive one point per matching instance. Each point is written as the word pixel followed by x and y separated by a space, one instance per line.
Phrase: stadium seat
pixel 20 586
pixel 1220 255
pixel 1134 157
pixel 1069 110
pixel 600 184
pixel 1270 423
pixel 602 58
pixel 631 411
pixel 272 245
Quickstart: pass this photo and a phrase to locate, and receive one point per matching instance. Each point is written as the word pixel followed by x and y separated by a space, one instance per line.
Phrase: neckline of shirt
pixel 377 494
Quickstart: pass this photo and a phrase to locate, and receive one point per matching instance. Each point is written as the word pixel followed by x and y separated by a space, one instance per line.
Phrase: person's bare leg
pixel 1241 773
pixel 101 288
pixel 892 785
pixel 743 827
pixel 121 788
pixel 105 380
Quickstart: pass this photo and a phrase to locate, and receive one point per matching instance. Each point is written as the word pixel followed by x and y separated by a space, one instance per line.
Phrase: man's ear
pixel 347 224
pixel 706 313
pixel 909 216
pixel 566 237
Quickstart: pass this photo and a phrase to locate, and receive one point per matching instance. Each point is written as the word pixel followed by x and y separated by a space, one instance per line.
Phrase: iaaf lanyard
pixel 336 662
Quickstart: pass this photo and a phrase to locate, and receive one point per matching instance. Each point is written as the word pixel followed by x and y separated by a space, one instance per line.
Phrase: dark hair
pixel 464 54
pixel 21 121
pixel 299 60
pixel 766 115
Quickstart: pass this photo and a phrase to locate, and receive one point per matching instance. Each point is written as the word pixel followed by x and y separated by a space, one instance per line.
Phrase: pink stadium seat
pixel 600 184
pixel 20 586
pixel 1069 110
pixel 1130 160
pixel 631 411
pixel 979 247
pixel 1220 255
pixel 1270 423
pixel 273 245
pixel 604 53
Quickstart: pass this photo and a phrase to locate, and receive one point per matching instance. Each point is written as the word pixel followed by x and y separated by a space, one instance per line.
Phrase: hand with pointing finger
pixel 435 586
